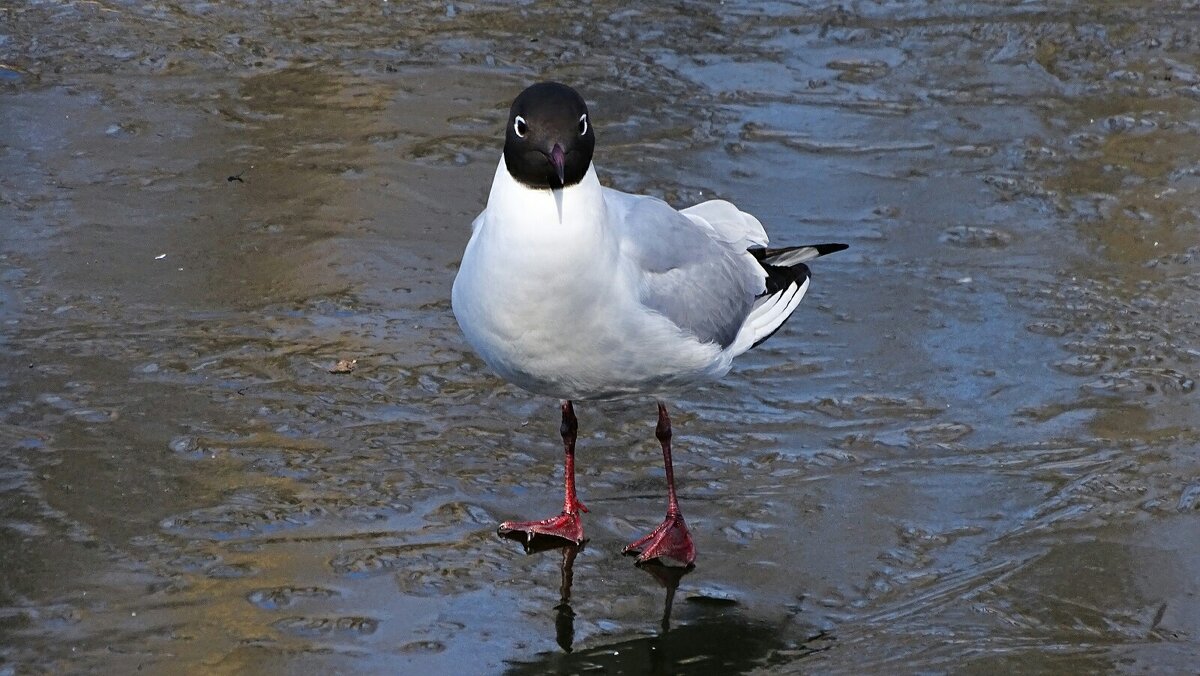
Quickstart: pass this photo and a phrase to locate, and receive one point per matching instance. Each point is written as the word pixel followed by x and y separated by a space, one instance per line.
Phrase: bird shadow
pixel 536 543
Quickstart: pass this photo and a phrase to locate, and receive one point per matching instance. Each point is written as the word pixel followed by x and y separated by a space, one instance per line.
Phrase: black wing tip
pixel 830 247
pixel 762 253
pixel 779 277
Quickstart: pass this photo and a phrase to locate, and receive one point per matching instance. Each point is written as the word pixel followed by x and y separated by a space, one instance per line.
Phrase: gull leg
pixel 568 525
pixel 670 543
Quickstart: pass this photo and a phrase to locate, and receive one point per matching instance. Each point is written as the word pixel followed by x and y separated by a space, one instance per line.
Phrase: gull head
pixel 549 141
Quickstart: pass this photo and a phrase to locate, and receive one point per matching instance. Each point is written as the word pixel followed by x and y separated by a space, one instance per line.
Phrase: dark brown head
pixel 549 142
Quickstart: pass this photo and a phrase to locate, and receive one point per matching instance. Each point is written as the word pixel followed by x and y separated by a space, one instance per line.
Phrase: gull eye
pixel 520 127
pixel 583 126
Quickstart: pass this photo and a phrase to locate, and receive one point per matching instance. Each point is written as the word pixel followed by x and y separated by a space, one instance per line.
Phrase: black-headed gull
pixel 577 291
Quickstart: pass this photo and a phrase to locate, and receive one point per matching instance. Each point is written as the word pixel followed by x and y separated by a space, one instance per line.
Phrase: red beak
pixel 558 158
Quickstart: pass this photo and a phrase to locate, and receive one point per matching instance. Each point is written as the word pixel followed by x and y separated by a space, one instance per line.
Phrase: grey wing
pixel 704 284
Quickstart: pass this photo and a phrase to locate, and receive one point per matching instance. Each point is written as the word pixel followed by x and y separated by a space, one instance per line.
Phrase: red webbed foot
pixel 670 544
pixel 566 526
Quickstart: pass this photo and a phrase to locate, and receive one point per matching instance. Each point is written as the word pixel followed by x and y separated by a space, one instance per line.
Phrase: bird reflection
pixel 668 577
pixel 717 639
pixel 564 620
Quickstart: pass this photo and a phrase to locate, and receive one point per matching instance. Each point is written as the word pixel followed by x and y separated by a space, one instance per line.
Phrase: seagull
pixel 580 292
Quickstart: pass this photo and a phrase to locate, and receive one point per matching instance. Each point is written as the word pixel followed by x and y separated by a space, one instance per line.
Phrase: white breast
pixel 544 297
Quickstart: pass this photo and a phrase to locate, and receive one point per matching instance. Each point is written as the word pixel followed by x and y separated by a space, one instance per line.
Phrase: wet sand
pixel 972 450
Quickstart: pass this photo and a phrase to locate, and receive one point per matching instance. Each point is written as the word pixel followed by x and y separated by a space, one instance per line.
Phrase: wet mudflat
pixel 975 448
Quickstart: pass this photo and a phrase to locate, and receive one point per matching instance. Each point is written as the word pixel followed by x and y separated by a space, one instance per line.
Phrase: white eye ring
pixel 520 126
pixel 583 124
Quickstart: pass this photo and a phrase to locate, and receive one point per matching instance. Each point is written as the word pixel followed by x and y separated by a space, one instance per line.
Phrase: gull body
pixel 565 305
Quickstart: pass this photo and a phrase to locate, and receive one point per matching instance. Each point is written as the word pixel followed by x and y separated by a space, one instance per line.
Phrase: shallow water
pixel 973 449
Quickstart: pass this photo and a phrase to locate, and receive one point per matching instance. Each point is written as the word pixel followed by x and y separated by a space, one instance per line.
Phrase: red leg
pixel 567 525
pixel 670 543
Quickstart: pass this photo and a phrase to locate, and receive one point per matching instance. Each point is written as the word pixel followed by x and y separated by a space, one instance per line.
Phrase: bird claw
pixel 670 544
pixel 566 526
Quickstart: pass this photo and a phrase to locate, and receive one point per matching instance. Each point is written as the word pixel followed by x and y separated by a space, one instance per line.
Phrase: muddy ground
pixel 974 449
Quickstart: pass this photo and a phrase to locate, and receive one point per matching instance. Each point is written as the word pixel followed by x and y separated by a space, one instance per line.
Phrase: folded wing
pixel 708 270
pixel 700 277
